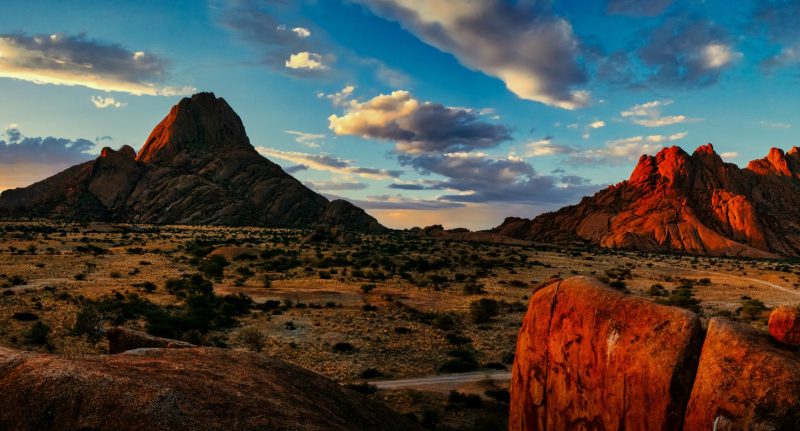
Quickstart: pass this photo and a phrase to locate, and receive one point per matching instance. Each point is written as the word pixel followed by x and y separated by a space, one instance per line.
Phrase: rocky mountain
pixel 679 202
pixel 197 167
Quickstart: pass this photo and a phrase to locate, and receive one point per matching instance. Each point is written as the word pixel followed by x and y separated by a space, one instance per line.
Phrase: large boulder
pixel 589 357
pixel 744 382
pixel 178 389
pixel 784 325
pixel 123 339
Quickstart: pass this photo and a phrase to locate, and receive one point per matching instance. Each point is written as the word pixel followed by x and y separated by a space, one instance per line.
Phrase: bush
pixel 364 388
pixel 25 316
pixel 38 334
pixel 752 309
pixel 214 266
pixel 89 322
pixel 371 373
pixel 367 288
pixel 682 297
pixel 343 348
pixel 253 338
pixel 461 400
pixel 483 310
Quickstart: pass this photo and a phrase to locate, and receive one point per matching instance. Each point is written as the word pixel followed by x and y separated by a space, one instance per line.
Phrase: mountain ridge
pixel 680 202
pixel 197 167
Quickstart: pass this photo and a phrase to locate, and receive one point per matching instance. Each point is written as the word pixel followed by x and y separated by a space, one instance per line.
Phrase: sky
pixel 453 112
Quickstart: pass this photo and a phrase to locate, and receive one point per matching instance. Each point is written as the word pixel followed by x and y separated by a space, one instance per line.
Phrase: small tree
pixel 483 310
pixel 253 338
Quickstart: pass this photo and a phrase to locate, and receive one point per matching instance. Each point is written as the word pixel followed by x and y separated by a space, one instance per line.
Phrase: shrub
pixel 38 334
pixel 367 288
pixel 461 400
pixel 253 338
pixel 483 310
pixel 343 347
pixel 214 266
pixel 89 322
pixel 682 297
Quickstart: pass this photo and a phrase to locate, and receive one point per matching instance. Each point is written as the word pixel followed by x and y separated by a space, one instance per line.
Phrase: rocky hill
pixel 591 358
pixel 679 202
pixel 197 167
pixel 178 389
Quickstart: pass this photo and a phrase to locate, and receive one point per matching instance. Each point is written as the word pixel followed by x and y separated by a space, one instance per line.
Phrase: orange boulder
pixel 589 357
pixel 744 382
pixel 784 325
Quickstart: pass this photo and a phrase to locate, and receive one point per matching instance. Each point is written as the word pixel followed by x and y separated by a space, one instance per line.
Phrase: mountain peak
pixel 705 149
pixel 197 127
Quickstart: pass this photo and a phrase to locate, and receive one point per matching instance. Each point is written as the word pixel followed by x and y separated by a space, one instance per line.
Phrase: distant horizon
pixel 458 113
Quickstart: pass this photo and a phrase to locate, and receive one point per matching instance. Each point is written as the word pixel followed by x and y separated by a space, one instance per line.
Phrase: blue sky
pixel 421 111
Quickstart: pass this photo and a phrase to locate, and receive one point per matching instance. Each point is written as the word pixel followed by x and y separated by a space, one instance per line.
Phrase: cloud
pixel 597 124
pixel 335 185
pixel 649 115
pixel 296 168
pixel 687 53
pixel 774 124
pixel 418 127
pixel 637 7
pixel 397 202
pixel 341 98
pixel 292 50
pixel 622 151
pixel 25 160
pixel 105 102
pixel 545 147
pixel 729 155
pixel 535 53
pixel 79 61
pixel 330 163
pixel 306 139
pixel 477 177
pixel 305 60
pixel 779 22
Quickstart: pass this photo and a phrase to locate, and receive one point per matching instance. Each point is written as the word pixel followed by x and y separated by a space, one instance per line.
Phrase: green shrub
pixel 483 310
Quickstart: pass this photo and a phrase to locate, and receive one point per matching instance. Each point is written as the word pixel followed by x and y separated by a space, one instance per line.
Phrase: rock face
pixel 197 167
pixel 784 325
pixel 744 382
pixel 122 339
pixel 679 202
pixel 591 358
pixel 178 389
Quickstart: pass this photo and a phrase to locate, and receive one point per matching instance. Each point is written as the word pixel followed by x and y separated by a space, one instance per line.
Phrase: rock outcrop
pixel 696 203
pixel 178 389
pixel 590 358
pixel 197 167
pixel 122 339
pixel 784 325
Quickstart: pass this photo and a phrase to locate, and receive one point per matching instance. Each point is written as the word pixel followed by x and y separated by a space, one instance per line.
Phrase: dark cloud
pixel 78 60
pixel 482 179
pixel 534 52
pixel 688 53
pixel 328 162
pixel 295 168
pixel 56 151
pixel 336 185
pixel 386 202
pixel 637 7
pixel 779 22
pixel 417 127
pixel 281 46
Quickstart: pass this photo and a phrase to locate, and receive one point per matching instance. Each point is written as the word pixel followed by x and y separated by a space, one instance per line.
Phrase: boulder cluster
pixel 591 358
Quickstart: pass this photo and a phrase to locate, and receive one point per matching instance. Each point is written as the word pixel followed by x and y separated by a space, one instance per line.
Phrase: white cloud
pixel 307 139
pixel 535 53
pixel 328 162
pixel 302 32
pixel 730 155
pixel 624 150
pixel 649 115
pixel 545 147
pixel 597 124
pixel 105 102
pixel 716 55
pixel 774 124
pixel 417 127
pixel 341 98
pixel 78 61
pixel 305 60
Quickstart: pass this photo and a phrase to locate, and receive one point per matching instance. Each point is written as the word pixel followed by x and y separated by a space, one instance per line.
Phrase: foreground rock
pixel 589 357
pixel 744 382
pixel 784 325
pixel 696 203
pixel 197 167
pixel 178 389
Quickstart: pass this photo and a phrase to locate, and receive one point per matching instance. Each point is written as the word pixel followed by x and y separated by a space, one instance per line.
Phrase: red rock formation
pixel 178 389
pixel 591 358
pixel 744 382
pixel 784 325
pixel 197 167
pixel 695 203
